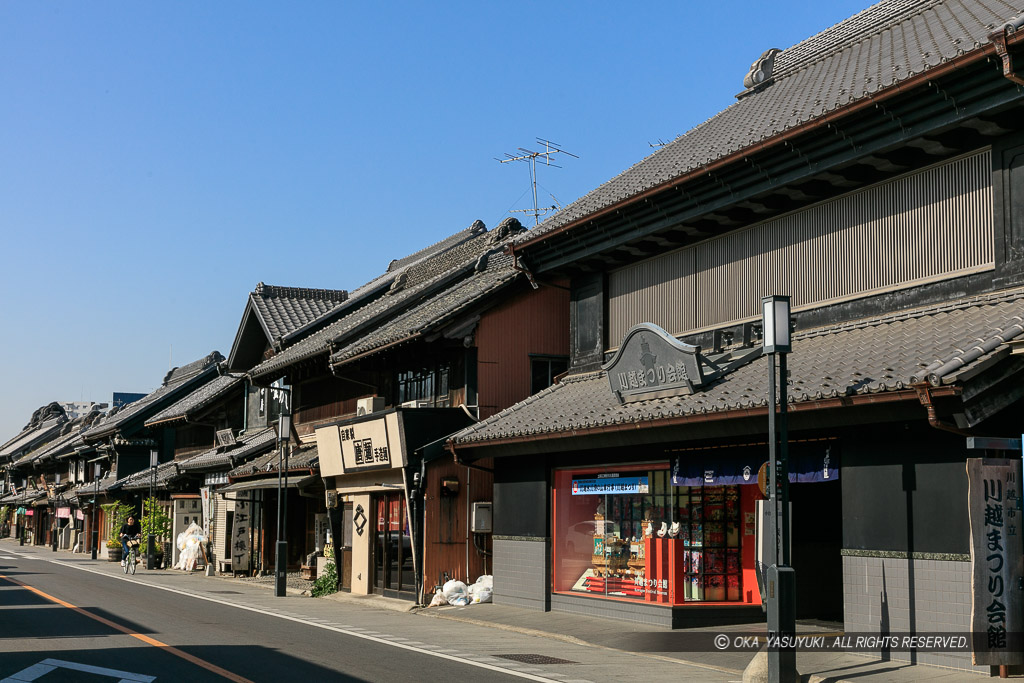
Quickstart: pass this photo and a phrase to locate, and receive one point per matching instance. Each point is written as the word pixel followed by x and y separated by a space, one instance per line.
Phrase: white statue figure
pixel 649 530
pixel 663 530
pixel 673 530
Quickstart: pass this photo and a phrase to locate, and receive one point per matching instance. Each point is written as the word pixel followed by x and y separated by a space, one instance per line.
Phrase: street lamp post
pixel 95 503
pixel 154 458
pixel 281 552
pixel 781 579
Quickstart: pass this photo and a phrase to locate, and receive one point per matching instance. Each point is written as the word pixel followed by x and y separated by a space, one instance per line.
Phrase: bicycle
pixel 128 563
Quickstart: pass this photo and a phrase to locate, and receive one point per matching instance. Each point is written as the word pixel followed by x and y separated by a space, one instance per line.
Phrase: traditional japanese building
pixel 873 174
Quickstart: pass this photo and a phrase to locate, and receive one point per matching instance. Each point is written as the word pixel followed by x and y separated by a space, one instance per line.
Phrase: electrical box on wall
pixel 480 521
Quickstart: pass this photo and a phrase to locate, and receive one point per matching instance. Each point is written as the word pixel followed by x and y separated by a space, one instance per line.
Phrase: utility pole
pixel 528 155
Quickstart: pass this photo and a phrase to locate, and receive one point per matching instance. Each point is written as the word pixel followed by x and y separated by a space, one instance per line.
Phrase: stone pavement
pixel 549 645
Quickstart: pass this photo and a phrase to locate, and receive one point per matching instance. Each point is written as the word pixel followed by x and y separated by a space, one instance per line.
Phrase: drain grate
pixel 535 659
pixel 225 592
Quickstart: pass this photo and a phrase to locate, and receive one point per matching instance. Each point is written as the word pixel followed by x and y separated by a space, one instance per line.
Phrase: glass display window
pixel 628 533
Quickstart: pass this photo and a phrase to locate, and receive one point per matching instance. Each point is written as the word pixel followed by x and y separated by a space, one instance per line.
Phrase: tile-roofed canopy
pixel 874 51
pixel 436 311
pixel 166 473
pixel 421 279
pixel 198 399
pixel 938 345
pixel 304 457
pixel 248 445
pixel 176 381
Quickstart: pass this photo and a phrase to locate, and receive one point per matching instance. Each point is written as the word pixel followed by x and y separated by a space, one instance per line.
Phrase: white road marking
pixel 47 665
pixel 352 632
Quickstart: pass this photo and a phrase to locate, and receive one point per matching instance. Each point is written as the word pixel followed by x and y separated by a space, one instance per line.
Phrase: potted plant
pixel 114 550
pixel 155 522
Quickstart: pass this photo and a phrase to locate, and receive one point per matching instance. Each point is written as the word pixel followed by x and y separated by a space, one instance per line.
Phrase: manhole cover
pixel 536 659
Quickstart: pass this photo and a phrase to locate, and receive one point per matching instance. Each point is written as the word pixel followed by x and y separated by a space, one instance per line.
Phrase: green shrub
pixel 155 521
pixel 327 583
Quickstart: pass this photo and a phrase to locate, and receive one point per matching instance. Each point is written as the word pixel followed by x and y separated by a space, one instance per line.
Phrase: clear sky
pixel 157 160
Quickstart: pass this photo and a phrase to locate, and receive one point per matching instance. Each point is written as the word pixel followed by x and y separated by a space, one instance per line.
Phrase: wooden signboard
pixel 996 561
pixel 239 541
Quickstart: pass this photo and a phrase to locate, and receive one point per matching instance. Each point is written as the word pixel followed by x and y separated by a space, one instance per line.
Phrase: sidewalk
pixel 606 639
pixel 815 667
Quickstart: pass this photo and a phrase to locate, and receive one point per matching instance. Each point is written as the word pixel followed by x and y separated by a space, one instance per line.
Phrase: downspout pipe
pixel 924 395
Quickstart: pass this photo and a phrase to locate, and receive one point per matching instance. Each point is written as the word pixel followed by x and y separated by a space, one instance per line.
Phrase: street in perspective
pixel 353 403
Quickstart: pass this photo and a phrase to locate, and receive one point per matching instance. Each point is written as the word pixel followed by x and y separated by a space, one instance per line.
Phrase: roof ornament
pixel 761 70
pixel 508 227
pixel 399 283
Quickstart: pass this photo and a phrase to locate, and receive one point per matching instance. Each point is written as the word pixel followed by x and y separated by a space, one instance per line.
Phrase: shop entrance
pixel 392 548
pixel 817 543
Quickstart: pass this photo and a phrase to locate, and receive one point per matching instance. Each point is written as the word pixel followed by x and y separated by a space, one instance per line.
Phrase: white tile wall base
pixel 897 596
pixel 521 573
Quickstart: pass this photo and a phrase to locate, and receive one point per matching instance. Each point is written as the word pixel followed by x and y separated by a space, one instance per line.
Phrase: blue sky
pixel 160 159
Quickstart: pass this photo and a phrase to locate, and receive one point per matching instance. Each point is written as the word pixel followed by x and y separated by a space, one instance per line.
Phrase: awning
pixel 806 465
pixel 270 483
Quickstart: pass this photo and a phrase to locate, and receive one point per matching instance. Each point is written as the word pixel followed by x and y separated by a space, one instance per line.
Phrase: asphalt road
pixel 129 630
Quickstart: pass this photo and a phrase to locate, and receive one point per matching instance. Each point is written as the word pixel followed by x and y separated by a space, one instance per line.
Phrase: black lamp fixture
pixel 780 579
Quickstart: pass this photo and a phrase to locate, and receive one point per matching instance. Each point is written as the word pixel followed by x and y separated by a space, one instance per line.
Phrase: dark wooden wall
pixel 534 322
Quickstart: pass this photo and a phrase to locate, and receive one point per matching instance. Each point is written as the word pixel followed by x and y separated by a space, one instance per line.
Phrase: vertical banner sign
pixel 204 494
pixel 239 541
pixel 996 562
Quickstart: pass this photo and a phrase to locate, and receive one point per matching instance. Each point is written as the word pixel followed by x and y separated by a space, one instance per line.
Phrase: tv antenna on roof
pixel 550 149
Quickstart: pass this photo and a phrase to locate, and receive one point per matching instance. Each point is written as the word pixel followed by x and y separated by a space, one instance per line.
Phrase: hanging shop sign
pixel 63 513
pixel 359 446
pixel 609 486
pixel 651 363
pixel 997 565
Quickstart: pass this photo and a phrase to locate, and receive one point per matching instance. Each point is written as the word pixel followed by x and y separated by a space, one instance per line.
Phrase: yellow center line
pixel 144 638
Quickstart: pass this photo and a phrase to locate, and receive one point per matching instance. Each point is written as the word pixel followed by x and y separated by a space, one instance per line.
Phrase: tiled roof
pixel 936 344
pixel 198 399
pixel 248 445
pixel 166 473
pixel 436 311
pixel 301 458
pixel 107 483
pixel 872 51
pixel 32 436
pixel 415 281
pixel 282 310
pixel 173 383
pixel 474 230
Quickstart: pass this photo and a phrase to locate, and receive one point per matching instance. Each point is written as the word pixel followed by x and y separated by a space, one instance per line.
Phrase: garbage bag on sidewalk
pixel 455 593
pixel 482 590
pixel 438 599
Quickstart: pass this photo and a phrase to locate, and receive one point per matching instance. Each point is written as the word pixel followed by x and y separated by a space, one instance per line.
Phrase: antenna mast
pixel 550 149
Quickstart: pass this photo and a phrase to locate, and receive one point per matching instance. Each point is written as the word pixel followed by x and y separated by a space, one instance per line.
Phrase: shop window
pixel 543 371
pixel 631 534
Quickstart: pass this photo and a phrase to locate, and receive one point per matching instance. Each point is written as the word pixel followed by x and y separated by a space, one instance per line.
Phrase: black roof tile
pixel 937 344
pixel 873 50
pixel 198 399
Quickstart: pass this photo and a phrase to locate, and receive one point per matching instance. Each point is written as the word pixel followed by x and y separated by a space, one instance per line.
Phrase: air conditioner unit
pixel 365 406
pixel 415 404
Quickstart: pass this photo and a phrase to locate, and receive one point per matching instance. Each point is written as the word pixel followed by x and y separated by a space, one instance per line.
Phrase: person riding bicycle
pixel 129 531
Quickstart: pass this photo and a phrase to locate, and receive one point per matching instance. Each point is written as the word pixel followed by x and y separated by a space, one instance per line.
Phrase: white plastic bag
pixel 482 590
pixel 438 599
pixel 455 593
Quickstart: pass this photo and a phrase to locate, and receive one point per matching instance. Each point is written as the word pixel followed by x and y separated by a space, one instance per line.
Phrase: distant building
pixel 77 409
pixel 122 398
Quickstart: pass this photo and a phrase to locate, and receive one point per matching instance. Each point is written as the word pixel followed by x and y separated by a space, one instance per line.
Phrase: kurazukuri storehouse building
pixel 875 174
